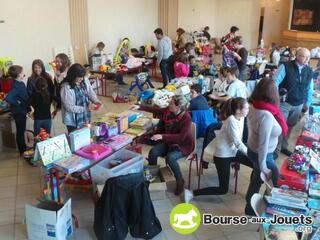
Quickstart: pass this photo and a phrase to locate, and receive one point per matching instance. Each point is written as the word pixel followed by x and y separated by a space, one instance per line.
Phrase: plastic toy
pixel 94 151
pixel 5 63
pixel 123 51
pixel 145 95
pixel 43 135
pixel 103 68
pixel 142 79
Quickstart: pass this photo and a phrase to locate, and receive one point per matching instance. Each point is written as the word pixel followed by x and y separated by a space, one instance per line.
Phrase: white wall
pixel 110 21
pixel 32 29
pixel 220 15
pixel 194 15
pixel 276 18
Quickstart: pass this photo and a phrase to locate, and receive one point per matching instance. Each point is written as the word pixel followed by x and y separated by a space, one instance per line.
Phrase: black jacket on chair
pixel 125 203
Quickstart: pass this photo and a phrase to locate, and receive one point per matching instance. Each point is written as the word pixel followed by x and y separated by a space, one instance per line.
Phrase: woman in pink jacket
pixel 181 66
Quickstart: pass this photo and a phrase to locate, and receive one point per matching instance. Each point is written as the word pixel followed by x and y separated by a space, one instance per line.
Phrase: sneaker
pixel 205 164
pixel 286 152
pixel 188 195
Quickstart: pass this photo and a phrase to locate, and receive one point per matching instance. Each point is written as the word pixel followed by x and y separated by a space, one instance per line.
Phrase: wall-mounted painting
pixel 302 17
pixel 306 15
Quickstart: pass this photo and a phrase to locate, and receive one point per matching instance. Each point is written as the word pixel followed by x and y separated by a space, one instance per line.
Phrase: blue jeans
pixel 164 72
pixel 20 121
pixel 71 129
pixel 243 74
pixel 161 150
pixel 291 114
pixel 45 123
pixel 255 179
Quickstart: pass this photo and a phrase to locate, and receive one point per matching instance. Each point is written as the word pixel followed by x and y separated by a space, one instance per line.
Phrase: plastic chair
pixel 141 79
pixel 258 204
pixel 268 183
pixel 193 156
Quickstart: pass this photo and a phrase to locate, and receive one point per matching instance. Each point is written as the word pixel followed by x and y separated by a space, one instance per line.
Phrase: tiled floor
pixel 20 184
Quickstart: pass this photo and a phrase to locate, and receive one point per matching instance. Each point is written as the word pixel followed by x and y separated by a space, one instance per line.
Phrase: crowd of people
pixel 253 129
pixel 44 95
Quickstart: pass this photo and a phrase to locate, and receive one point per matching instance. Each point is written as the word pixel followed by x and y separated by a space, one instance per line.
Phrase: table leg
pixel 51 183
pixel 58 185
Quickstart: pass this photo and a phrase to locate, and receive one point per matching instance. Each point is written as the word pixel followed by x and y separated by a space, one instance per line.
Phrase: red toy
pixel 97 106
pixel 290 178
pixel 43 135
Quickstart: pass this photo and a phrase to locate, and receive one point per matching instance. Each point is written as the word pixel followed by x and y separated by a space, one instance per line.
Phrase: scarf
pixel 262 105
pixel 82 100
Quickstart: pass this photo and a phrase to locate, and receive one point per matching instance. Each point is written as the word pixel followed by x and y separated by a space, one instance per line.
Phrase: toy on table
pixel 80 138
pixel 94 151
pixel 297 162
pixel 123 51
pixel 43 135
pixel 118 141
pixel 100 130
pixel 309 136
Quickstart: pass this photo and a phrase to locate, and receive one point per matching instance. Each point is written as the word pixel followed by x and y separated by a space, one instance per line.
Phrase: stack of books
pixel 291 199
pixel 72 164
pixel 119 141
pixel 141 123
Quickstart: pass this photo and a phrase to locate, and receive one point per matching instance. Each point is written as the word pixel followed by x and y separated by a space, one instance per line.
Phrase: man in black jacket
pixel 296 78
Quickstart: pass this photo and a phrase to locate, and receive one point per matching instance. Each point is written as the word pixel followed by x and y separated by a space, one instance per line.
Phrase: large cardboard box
pixel 49 224
pixel 6 123
pixel 8 139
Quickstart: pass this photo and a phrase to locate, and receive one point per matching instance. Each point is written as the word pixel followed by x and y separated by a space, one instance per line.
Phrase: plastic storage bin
pixel 102 171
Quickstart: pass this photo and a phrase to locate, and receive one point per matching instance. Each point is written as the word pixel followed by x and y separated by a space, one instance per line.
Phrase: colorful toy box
pixel 94 151
pixel 79 139
pixel 290 178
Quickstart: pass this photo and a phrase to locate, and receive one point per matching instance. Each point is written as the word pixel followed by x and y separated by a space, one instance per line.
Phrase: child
pixel 40 101
pixel 212 71
pixel 18 99
pixel 226 148
pixel 194 67
pixel 181 67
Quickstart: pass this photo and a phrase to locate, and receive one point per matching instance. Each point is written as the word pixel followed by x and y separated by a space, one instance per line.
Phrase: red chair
pixel 193 156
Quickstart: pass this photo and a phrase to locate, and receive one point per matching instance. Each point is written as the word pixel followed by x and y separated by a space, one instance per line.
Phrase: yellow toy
pixel 123 51
pixel 170 88
pixel 5 63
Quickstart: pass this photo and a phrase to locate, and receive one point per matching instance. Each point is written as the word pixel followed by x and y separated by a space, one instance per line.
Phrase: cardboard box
pixel 163 177
pixel 49 224
pixel 6 123
pixel 8 139
pixel 166 174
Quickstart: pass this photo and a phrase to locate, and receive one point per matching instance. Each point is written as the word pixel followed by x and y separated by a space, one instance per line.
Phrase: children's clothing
pixel 18 99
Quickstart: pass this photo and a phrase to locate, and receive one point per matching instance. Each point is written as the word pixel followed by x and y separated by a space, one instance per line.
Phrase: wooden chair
pixel 193 156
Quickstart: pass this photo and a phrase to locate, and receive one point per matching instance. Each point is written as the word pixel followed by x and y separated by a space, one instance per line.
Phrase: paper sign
pixel 53 149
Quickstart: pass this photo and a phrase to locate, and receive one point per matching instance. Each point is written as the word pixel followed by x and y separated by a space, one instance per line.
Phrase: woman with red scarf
pixel 265 123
